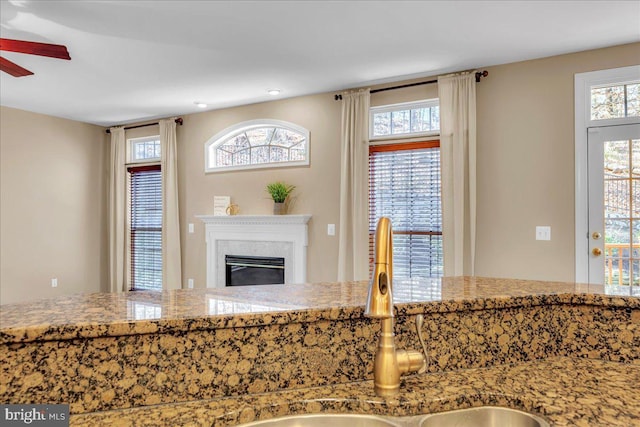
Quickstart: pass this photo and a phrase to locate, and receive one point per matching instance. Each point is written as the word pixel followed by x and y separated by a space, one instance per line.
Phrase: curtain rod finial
pixel 337 97
pixel 480 74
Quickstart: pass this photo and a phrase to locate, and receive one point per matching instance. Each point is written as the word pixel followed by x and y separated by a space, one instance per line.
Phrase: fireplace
pixel 252 270
pixel 256 236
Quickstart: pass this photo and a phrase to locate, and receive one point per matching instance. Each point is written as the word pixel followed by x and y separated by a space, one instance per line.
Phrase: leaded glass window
pixel 145 149
pixel 258 144
pixel 405 120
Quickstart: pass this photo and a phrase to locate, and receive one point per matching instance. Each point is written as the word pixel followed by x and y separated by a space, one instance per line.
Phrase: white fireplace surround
pixel 281 236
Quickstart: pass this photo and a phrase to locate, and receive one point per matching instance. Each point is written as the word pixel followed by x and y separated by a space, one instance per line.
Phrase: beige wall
pixel 407 94
pixel 525 115
pixel 525 167
pixel 52 206
pixel 53 180
pixel 317 186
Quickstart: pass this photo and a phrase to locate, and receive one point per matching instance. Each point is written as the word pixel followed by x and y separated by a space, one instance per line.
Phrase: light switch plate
pixel 331 229
pixel 543 232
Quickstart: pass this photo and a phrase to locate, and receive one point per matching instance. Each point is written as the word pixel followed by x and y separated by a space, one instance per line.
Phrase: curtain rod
pixel 178 121
pixel 479 74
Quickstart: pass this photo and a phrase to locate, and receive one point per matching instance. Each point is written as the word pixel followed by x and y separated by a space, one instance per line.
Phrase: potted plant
pixel 279 192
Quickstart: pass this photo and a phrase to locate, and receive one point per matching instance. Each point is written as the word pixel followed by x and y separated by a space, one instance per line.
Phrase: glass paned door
pixel 614 207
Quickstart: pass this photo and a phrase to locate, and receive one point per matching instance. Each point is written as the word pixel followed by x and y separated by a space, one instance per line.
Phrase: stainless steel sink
pixel 484 416
pixel 325 420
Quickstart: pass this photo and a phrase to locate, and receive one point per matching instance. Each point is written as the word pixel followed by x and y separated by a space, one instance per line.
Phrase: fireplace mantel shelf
pixel 254 219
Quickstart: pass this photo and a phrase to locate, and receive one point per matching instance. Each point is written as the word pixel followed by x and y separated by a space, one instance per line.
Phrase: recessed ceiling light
pixel 273 92
pixel 200 104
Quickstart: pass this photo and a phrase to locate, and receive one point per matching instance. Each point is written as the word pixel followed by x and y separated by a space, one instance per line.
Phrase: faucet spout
pixel 389 363
pixel 380 299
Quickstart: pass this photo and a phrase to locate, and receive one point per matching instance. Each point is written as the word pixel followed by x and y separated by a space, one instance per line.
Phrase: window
pixel 615 101
pixel 145 227
pixel 404 185
pixel 145 213
pixel 405 120
pixel 257 144
pixel 145 149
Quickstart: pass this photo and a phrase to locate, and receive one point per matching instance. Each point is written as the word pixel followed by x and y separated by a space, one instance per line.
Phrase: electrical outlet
pixel 54 282
pixel 543 232
pixel 190 283
pixel 331 229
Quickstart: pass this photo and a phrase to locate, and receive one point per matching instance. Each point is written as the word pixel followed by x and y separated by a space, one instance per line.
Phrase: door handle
pixel 596 251
pixel 596 235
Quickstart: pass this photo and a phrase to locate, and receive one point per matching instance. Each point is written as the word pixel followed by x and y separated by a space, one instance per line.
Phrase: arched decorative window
pixel 257 144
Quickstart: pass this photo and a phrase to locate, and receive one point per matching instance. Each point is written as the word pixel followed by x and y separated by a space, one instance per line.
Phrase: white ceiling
pixel 139 60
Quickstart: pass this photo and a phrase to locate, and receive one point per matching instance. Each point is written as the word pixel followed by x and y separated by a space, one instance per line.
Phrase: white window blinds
pixel 404 185
pixel 146 227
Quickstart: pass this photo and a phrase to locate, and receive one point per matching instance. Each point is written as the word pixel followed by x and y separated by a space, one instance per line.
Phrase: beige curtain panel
pixel 171 259
pixel 457 95
pixel 117 195
pixel 353 249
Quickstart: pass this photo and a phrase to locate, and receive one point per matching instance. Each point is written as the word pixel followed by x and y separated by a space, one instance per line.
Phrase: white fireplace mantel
pixel 283 236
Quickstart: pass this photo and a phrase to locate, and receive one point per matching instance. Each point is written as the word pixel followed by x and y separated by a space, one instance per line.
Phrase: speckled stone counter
pixel 565 391
pixel 105 352
pixel 133 313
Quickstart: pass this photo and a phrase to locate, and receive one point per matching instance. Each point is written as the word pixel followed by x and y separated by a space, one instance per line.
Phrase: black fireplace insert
pixel 251 270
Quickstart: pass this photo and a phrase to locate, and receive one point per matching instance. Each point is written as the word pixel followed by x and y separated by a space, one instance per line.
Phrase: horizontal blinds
pixel 146 227
pixel 404 185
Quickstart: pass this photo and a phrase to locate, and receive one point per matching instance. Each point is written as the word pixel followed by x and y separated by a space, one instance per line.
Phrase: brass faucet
pixel 389 364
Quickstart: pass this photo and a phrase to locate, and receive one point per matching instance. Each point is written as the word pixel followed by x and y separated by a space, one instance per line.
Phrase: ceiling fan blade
pixel 12 68
pixel 35 48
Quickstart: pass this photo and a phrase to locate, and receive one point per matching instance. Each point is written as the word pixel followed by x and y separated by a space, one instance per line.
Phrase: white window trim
pixel 129 153
pixel 583 84
pixel 426 103
pixel 223 135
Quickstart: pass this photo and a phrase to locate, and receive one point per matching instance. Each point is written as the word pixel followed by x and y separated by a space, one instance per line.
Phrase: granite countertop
pixel 565 391
pixel 129 313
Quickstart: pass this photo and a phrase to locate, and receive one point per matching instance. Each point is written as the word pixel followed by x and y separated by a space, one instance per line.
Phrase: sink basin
pixel 324 420
pixel 485 416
